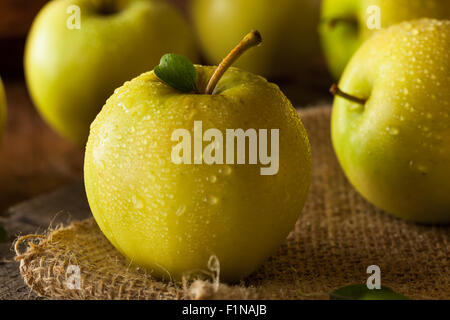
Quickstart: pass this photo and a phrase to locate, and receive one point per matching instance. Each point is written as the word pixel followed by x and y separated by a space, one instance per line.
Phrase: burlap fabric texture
pixel 336 238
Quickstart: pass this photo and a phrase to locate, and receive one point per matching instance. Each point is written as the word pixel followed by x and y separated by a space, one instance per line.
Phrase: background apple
pixel 395 148
pixel 2 108
pixel 71 72
pixel 171 218
pixel 344 23
pixel 289 27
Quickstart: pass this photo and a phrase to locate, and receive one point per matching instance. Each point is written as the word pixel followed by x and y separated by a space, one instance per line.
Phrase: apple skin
pixel 2 109
pixel 71 73
pixel 395 149
pixel 169 218
pixel 341 41
pixel 289 29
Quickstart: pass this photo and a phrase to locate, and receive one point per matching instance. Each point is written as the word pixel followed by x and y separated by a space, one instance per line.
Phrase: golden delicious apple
pixel 392 135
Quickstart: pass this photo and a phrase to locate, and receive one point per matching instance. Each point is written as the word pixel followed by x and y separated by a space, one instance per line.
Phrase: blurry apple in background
pixel 392 133
pixel 71 72
pixel 344 23
pixel 221 23
pixel 2 109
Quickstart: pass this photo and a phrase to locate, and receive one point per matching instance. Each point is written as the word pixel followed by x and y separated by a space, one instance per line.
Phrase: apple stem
pixel 250 40
pixel 338 92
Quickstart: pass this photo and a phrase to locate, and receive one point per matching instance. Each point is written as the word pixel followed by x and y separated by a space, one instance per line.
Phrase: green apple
pixel 2 108
pixel 346 24
pixel 291 41
pixel 394 144
pixel 70 72
pixel 171 218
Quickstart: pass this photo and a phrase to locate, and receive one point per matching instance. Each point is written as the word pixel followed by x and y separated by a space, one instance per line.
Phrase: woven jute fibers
pixel 336 238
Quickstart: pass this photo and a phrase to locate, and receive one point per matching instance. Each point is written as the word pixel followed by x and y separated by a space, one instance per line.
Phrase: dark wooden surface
pixel 33 160
pixel 36 216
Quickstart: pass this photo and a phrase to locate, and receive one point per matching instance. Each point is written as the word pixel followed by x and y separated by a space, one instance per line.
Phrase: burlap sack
pixel 336 238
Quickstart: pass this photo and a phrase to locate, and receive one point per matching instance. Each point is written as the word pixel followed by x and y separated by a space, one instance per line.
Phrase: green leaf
pixel 3 235
pixel 361 292
pixel 178 72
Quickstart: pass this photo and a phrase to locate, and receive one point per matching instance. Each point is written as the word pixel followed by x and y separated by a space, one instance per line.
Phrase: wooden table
pixel 33 158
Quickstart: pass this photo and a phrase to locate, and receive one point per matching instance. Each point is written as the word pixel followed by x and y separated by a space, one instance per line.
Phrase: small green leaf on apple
pixel 361 292
pixel 178 72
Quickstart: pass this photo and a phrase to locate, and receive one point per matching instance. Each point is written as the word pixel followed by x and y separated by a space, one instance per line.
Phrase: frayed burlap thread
pixel 336 238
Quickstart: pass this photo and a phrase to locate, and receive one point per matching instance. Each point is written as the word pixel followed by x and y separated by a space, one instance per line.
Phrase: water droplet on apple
pixel 213 200
pixel 151 177
pixel 192 114
pixel 124 108
pixel 392 131
pixel 137 203
pixel 212 179
pixel 101 164
pixel 227 170
pixel 422 169
pixel 181 209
